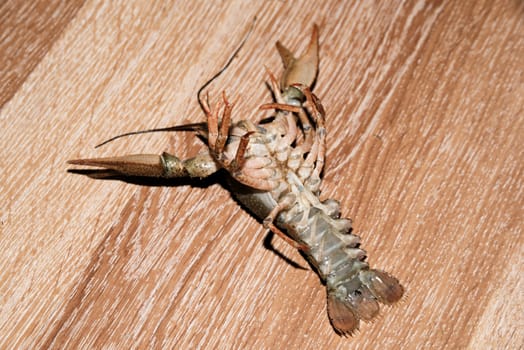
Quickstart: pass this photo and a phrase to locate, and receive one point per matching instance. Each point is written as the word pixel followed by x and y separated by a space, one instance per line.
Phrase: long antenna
pixel 233 56
pixel 185 127
pixel 195 126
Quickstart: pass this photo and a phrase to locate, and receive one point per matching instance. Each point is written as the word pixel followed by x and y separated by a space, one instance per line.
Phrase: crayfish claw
pixel 285 54
pixel 164 165
pixel 130 165
pixel 302 70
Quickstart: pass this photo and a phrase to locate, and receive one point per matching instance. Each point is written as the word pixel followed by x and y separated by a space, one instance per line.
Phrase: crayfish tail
pixel 384 287
pixel 358 299
pixel 342 317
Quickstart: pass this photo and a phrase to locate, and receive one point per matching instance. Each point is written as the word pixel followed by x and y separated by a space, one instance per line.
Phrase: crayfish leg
pixel 297 245
pixel 218 128
pixel 283 204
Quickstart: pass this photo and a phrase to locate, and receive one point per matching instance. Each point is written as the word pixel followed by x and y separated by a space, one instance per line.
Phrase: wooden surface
pixel 425 131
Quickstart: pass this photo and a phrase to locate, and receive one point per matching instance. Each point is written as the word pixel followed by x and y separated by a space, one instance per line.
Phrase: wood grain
pixel 27 31
pixel 425 119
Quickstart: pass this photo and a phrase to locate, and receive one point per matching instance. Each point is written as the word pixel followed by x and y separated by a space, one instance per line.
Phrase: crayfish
pixel 274 169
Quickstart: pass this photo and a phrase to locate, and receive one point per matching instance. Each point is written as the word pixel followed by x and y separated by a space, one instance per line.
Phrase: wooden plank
pixel 425 123
pixel 27 31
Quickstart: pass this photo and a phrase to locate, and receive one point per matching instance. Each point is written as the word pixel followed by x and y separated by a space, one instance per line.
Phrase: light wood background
pixel 425 130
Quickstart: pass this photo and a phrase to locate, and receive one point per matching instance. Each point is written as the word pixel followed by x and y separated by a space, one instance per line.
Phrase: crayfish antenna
pixel 302 70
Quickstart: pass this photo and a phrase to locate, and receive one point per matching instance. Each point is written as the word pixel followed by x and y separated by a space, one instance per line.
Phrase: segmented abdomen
pixel 354 290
